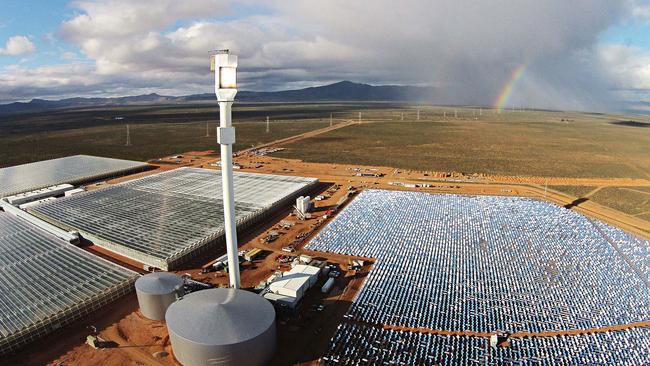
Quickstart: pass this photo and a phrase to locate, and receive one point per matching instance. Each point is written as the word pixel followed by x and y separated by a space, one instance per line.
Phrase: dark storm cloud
pixel 466 49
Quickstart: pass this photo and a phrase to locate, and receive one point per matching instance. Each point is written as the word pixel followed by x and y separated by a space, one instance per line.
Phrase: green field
pixel 511 143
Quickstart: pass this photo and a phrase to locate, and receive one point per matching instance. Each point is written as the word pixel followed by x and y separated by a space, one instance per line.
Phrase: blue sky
pixel 123 47
pixel 631 32
pixel 39 21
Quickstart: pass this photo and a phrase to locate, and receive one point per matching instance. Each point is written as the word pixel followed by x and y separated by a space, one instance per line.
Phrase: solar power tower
pixel 224 66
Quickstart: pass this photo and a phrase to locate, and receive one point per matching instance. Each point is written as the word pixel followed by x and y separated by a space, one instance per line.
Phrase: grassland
pixel 512 143
pixel 155 130
pixel 632 200
pixel 575 191
pixel 452 139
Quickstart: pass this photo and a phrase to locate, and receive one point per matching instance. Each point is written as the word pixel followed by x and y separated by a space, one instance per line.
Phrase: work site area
pixel 359 265
pixel 296 183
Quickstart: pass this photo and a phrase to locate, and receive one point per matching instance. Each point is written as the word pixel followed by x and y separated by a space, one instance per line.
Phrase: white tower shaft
pixel 225 114
pixel 224 66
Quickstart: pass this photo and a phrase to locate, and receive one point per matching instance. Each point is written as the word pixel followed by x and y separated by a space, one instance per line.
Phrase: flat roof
pixel 45 282
pixel 162 217
pixel 70 169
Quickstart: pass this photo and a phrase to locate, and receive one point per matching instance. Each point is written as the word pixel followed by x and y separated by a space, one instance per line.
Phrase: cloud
pixel 628 69
pixel 641 11
pixel 17 45
pixel 466 49
pixel 67 55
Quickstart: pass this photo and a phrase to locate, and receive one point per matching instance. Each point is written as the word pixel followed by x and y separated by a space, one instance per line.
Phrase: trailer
pixel 252 254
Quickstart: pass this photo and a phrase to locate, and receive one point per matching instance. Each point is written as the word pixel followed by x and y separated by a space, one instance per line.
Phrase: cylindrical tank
pixel 222 326
pixel 156 291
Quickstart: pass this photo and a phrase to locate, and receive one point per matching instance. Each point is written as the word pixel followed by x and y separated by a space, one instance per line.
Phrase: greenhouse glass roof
pixel 160 218
pixel 45 280
pixel 70 169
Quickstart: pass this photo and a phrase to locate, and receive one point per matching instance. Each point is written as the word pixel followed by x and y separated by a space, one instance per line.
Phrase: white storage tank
pixel 156 291
pixel 222 326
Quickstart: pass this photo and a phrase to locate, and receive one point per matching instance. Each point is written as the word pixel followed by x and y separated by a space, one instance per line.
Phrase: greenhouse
pixel 165 219
pixel 47 283
pixel 71 169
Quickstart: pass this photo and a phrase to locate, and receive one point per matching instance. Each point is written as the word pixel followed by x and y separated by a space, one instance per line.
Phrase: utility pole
pixel 418 114
pixel 128 136
pixel 359 117
pixel 207 129
pixel 267 124
pixel 456 113
pixel 545 187
pixel 402 116
pixel 330 119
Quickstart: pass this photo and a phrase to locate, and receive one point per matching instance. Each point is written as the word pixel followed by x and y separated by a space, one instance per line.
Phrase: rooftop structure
pixel 222 327
pixel 71 169
pixel 488 264
pixel 46 282
pixel 165 219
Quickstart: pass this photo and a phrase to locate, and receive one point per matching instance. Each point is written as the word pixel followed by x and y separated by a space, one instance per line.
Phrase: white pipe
pixel 70 237
pixel 225 115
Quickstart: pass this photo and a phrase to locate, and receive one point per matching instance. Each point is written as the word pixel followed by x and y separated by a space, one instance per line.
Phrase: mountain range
pixel 344 91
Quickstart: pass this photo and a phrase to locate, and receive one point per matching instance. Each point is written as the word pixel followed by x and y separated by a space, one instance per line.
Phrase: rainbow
pixel 506 92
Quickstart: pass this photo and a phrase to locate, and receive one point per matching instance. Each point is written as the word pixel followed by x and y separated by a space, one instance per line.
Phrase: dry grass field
pixel 451 139
pixel 148 141
pixel 511 143
pixel 155 130
pixel 632 200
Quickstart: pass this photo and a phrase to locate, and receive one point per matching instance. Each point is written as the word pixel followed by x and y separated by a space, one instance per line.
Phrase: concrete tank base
pixel 222 327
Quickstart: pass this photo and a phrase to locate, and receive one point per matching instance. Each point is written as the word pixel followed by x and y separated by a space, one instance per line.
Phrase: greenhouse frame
pixel 167 219
pixel 71 169
pixel 47 283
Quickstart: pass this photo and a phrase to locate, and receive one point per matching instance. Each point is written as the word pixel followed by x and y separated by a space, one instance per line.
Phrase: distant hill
pixel 341 91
